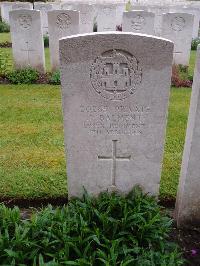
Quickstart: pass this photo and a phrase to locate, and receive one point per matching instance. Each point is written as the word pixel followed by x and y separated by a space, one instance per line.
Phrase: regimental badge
pixel 116 75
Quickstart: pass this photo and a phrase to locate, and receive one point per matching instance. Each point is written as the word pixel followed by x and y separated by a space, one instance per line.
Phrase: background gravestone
pixel 120 8
pixel 69 6
pixel 27 41
pixel 87 13
pixel 115 90
pixel 139 22
pixel 22 5
pixel 5 9
pixel 189 10
pixel 44 8
pixel 188 196
pixel 61 23
pixel 177 27
pixel 158 10
pixel 107 18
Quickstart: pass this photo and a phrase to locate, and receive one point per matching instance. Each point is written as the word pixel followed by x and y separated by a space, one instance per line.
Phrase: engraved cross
pixel 114 158
pixel 27 50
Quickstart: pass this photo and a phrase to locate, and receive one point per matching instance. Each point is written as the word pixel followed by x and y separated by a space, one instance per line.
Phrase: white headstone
pixel 22 5
pixel 69 6
pixel 107 18
pixel 190 10
pixel 44 8
pixel 177 27
pixel 87 14
pixel 120 9
pixel 115 90
pixel 27 41
pixel 188 197
pixel 5 9
pixel 158 10
pixel 139 22
pixel 139 7
pixel 61 23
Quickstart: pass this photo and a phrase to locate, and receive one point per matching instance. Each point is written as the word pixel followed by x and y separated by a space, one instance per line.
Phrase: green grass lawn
pixel 5 37
pixel 8 51
pixel 175 138
pixel 192 62
pixel 32 162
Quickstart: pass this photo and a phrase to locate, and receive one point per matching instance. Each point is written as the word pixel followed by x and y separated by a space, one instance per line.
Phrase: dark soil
pixel 33 203
pixel 4 80
pixel 5 45
pixel 43 79
pixel 189 242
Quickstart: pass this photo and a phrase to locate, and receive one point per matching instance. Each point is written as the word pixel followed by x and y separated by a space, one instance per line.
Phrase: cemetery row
pixel 30 25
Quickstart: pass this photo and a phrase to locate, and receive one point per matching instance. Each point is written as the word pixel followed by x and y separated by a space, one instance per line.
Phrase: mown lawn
pixel 32 162
pixel 175 138
pixel 5 37
pixel 8 53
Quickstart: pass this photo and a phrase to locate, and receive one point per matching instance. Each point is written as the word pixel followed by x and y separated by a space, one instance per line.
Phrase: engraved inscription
pixel 25 21
pixel 63 21
pixel 115 75
pixel 114 158
pixel 27 50
pixel 84 18
pixel 107 11
pixel 118 120
pixel 138 23
pixel 178 23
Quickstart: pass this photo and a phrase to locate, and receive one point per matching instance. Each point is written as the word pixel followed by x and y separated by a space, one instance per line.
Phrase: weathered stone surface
pixel 120 9
pixel 107 18
pixel 189 10
pixel 188 197
pixel 5 9
pixel 115 90
pixel 61 23
pixel 139 21
pixel 87 13
pixel 44 8
pixel 22 5
pixel 158 10
pixel 177 27
pixel 27 41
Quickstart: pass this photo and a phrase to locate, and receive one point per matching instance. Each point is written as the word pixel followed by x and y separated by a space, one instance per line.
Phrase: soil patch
pixel 5 45
pixel 189 242
pixel 33 203
pixel 43 79
pixel 4 80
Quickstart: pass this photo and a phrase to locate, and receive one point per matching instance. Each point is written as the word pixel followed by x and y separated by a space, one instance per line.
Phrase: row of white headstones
pixel 115 92
pixel 26 28
pixel 114 11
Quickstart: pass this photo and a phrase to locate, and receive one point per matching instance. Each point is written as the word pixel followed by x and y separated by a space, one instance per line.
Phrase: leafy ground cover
pixel 32 146
pixel 111 230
